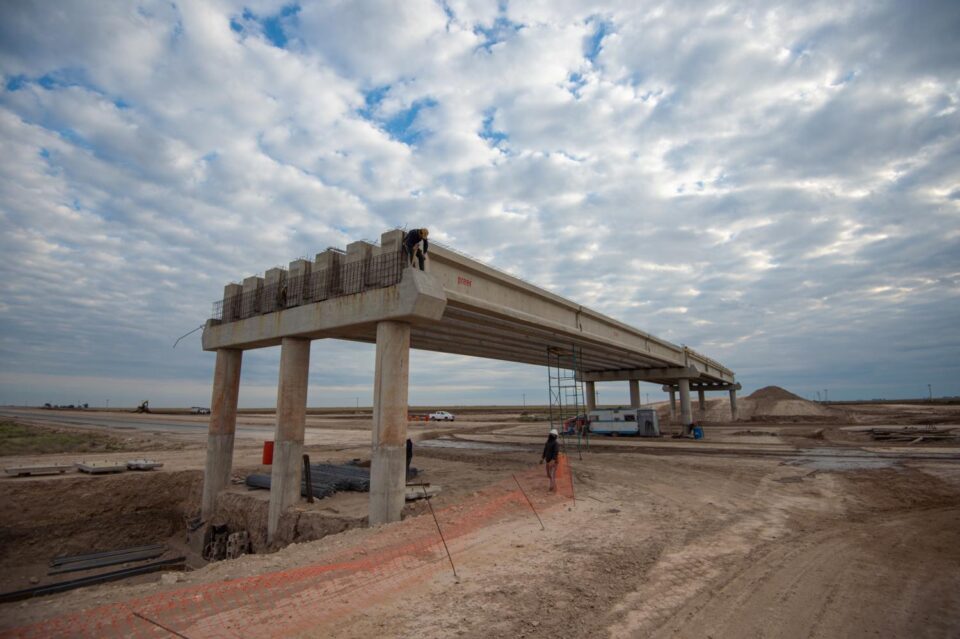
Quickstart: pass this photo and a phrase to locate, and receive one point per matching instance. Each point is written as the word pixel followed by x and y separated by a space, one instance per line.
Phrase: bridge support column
pixel 591 390
pixel 288 436
pixel 388 466
pixel 686 417
pixel 702 405
pixel 634 393
pixel 673 405
pixel 223 425
pixel 733 404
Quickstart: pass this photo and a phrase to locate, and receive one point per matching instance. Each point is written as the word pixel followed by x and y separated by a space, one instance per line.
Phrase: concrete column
pixel 702 402
pixel 634 393
pixel 288 436
pixel 223 425
pixel 388 467
pixel 591 398
pixel 673 405
pixel 686 417
pixel 733 404
pixel 232 296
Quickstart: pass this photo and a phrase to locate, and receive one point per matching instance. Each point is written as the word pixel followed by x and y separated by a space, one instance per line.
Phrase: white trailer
pixel 641 422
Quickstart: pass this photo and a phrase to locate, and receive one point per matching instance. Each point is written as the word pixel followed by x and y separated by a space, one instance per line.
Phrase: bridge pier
pixel 288 437
pixel 388 475
pixel 701 405
pixel 635 393
pixel 222 427
pixel 591 391
pixel 686 416
pixel 733 404
pixel 673 405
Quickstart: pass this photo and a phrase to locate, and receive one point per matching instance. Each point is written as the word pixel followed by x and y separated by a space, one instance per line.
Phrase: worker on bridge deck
pixel 415 245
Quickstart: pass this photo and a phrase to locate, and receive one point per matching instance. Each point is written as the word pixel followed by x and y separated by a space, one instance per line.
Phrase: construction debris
pixel 325 480
pixel 143 464
pixel 162 564
pixel 101 467
pixel 111 558
pixel 914 435
pixel 43 469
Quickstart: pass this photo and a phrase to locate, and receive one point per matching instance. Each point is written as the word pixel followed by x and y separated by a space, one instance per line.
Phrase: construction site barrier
pixel 289 602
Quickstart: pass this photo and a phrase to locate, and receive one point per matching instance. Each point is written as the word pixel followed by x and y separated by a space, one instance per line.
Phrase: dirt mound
pixel 772 393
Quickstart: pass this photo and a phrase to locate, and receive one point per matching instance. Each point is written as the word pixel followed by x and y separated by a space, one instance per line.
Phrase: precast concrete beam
pixel 390 387
pixel 634 393
pixel 706 386
pixel 655 375
pixel 418 297
pixel 288 435
pixel 222 428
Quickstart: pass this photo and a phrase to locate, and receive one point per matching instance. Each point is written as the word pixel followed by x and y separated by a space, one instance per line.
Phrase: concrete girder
pixel 706 386
pixel 653 375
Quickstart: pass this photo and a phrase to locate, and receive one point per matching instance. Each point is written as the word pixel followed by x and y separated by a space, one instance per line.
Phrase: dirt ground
pixel 791 525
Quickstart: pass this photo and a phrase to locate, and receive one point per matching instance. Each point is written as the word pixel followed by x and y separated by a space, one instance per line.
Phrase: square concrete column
pixel 388 464
pixel 702 402
pixel 673 405
pixel 591 391
pixel 223 425
pixel 686 417
pixel 733 404
pixel 634 393
pixel 288 436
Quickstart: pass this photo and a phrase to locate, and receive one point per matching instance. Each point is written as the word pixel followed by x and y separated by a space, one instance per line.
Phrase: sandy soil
pixel 765 529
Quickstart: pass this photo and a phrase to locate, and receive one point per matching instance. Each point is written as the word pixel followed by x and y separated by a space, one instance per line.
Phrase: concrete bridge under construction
pixel 458 305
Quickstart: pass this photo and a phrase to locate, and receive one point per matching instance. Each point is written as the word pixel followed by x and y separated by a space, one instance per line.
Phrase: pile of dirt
pixel 772 393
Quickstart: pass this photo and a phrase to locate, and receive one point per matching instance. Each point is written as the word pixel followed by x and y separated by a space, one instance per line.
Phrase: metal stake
pixel 306 476
pixel 427 497
pixel 158 625
pixel 528 501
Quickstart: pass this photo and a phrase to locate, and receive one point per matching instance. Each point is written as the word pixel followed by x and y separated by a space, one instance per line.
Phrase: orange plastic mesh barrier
pixel 289 602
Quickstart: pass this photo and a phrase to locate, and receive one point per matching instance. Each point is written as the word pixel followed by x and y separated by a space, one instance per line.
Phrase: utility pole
pixel 930 391
pixel 524 401
pixel 818 396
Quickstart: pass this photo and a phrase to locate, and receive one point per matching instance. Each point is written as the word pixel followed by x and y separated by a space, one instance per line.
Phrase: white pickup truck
pixel 441 416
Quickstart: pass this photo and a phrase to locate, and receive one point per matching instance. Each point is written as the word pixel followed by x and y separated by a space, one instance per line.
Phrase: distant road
pixel 79 418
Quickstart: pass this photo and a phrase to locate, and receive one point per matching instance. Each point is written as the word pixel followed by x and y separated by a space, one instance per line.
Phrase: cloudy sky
pixel 776 185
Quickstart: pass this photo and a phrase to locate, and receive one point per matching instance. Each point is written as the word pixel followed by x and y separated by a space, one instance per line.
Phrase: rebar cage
pixel 285 291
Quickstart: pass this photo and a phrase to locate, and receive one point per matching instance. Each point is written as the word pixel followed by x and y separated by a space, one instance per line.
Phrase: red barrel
pixel 267 453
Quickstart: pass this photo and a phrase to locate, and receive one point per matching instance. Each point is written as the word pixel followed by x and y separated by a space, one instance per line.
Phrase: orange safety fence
pixel 288 602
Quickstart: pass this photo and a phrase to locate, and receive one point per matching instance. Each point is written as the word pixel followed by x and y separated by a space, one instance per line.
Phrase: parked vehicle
pixel 642 422
pixel 441 416
pixel 199 410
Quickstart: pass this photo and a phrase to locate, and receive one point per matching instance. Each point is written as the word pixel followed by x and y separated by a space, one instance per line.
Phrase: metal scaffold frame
pixel 566 393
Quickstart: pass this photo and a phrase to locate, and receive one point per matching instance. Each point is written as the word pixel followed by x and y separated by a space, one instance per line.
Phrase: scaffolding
pixel 565 383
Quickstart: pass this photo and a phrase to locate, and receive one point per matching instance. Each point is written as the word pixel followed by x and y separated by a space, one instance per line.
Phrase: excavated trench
pixel 44 518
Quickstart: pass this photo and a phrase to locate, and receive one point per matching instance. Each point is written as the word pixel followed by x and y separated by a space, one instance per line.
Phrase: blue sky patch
pixel 594 43
pixel 501 29
pixel 487 132
pixel 275 28
pixel 402 125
